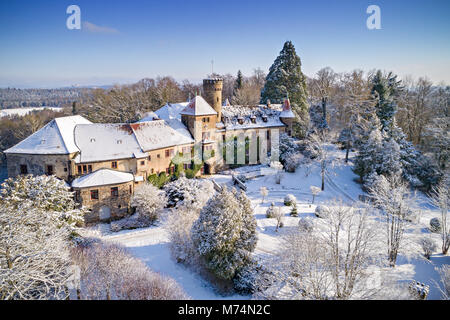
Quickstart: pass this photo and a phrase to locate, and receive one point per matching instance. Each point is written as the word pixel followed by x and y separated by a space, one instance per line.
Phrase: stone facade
pixel 104 202
pixel 38 164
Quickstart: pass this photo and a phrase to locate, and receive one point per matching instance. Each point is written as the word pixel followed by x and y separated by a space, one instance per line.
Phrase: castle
pixel 103 163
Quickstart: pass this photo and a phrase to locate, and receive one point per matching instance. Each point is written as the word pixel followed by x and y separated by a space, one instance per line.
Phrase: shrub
pixel 294 212
pixel 419 291
pixel 270 213
pixel 149 201
pixel 109 272
pixel 305 225
pixel 435 225
pixel 158 180
pixel 189 192
pixel 322 211
pixel 247 278
pixel 289 200
pixel 428 247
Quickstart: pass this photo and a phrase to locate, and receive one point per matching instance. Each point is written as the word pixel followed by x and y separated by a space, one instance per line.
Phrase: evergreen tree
pixel 225 233
pixel 239 81
pixel 384 90
pixel 285 78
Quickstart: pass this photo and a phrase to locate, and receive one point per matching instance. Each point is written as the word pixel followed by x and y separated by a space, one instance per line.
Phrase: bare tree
pixel 264 192
pixel 317 145
pixel 333 263
pixel 440 198
pixel 392 196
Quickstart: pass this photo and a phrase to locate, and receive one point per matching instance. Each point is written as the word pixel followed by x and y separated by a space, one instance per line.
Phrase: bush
pixel 109 272
pixel 435 225
pixel 322 211
pixel 270 213
pixel 289 200
pixel 158 180
pixel 179 227
pixel 428 247
pixel 305 225
pixel 189 192
pixel 247 278
pixel 148 201
pixel 128 223
pixel 294 212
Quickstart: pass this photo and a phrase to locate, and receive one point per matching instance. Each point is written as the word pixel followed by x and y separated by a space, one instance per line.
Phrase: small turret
pixel 287 116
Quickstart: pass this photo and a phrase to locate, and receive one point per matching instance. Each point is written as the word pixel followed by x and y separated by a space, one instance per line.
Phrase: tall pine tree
pixel 285 79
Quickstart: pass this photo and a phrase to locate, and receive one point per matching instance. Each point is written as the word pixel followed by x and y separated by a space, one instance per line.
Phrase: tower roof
pixel 198 107
pixel 287 111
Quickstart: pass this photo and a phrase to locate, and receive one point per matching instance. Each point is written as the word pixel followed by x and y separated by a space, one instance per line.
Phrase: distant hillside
pixel 22 98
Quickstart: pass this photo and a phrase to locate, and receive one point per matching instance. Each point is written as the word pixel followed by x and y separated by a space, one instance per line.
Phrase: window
pixel 65 169
pixel 167 170
pixel 143 163
pixel 149 158
pixel 114 164
pixel 89 168
pixel 169 153
pixel 23 169
pixel 84 168
pixel 49 170
pixel 94 194
pixel 172 170
pixel 268 134
pixel 79 170
pixel 158 156
pixel 115 192
pixel 152 171
pixel 130 189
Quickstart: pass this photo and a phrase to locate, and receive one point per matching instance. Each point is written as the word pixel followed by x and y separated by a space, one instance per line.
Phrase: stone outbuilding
pixel 106 193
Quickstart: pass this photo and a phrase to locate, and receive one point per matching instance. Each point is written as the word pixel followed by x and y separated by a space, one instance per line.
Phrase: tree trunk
pixel 347 151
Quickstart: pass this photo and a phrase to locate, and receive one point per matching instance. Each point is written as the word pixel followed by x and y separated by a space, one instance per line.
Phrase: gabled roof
pixel 171 111
pixel 287 111
pixel 102 142
pixel 159 134
pixel 56 137
pixel 102 177
pixel 198 107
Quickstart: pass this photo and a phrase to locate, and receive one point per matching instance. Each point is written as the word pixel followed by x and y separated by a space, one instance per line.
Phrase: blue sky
pixel 137 39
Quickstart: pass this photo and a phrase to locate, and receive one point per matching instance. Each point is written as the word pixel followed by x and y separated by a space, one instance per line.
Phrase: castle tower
pixel 212 89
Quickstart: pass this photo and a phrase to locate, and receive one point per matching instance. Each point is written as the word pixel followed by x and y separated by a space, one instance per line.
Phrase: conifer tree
pixel 285 79
pixel 239 81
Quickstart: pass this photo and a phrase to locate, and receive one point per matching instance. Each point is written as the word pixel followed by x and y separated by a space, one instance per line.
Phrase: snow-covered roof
pixel 232 114
pixel 171 111
pixel 159 134
pixel 56 137
pixel 102 142
pixel 287 111
pixel 113 141
pixel 102 177
pixel 198 107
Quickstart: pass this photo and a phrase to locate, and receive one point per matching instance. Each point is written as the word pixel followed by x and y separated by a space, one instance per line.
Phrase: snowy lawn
pixel 151 244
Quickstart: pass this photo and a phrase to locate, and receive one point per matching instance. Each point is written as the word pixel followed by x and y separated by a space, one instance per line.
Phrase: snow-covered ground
pixel 151 244
pixel 24 111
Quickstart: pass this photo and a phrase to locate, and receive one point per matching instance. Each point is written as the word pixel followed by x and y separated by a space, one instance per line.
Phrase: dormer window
pixel 264 118
pixel 253 119
pixel 92 140
pixel 119 141
pixel 240 120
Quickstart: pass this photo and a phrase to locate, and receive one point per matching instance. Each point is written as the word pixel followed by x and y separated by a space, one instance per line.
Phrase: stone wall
pixel 37 164
pixel 118 207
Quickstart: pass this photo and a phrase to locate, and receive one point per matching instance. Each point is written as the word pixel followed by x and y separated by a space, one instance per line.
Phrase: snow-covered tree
pixel 48 193
pixel 444 283
pixel 314 192
pixel 385 88
pixel 189 192
pixel 148 201
pixel 333 264
pixel 285 78
pixel 317 146
pixel 264 193
pixel 34 253
pixel 440 198
pixel 225 233
pixel 290 155
pixel 270 212
pixel 392 196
